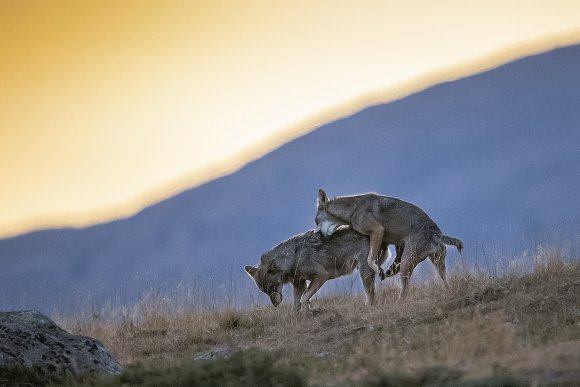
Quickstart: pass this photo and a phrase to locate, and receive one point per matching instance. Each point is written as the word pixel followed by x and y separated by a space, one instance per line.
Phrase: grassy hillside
pixel 517 329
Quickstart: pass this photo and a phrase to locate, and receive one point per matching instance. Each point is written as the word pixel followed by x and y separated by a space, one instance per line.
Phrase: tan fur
pixel 388 220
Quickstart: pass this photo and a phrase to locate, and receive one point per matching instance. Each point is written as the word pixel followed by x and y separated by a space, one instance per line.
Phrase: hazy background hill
pixel 493 158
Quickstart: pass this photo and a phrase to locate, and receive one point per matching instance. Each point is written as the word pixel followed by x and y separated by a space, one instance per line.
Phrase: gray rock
pixel 30 339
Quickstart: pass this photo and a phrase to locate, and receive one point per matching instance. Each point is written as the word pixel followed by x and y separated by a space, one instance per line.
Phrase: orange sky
pixel 106 106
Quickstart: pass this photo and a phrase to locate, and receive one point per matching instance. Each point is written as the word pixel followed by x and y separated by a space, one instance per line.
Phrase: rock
pixel 32 340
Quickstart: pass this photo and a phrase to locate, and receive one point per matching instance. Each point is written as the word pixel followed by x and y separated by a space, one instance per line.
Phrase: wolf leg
pixel 406 268
pixel 375 232
pixel 406 271
pixel 313 287
pixel 413 255
pixel 396 265
pixel 299 289
pixel 368 279
pixel 438 260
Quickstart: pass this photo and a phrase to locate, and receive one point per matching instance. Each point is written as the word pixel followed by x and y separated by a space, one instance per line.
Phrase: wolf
pixel 388 220
pixel 315 258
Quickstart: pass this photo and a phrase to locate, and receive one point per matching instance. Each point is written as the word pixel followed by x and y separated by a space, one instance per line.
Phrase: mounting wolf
pixel 388 220
pixel 315 258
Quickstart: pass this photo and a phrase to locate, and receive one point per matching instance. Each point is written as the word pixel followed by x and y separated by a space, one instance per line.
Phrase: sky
pixel 108 106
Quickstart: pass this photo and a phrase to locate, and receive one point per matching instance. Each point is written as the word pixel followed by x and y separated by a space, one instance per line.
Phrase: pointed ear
pixel 322 199
pixel 251 270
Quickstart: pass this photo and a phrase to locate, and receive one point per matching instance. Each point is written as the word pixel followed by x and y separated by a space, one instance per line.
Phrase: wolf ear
pixel 322 199
pixel 251 270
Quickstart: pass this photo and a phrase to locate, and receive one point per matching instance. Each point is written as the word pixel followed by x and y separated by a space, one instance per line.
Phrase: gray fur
pixel 315 258
pixel 388 220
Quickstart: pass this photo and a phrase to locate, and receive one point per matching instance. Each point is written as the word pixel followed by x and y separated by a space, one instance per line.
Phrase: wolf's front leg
pixel 299 289
pixel 313 287
pixel 376 239
pixel 375 230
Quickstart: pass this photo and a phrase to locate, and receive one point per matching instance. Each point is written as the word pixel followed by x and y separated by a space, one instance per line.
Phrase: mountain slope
pixel 493 158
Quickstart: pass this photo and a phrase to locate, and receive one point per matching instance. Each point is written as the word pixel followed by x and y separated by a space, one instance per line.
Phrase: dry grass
pixel 525 327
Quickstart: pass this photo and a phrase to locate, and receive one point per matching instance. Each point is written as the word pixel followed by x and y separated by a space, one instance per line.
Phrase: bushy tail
pixel 449 241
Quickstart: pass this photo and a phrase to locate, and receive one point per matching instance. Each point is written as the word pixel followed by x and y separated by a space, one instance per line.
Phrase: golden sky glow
pixel 108 105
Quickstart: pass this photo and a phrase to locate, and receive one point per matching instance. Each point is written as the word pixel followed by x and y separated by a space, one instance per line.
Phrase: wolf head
pixel 269 279
pixel 326 224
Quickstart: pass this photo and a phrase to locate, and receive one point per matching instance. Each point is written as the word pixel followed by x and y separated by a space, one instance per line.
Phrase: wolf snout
pixel 276 298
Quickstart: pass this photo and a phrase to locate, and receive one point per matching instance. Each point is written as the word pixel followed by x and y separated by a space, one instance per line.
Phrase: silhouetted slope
pixel 493 158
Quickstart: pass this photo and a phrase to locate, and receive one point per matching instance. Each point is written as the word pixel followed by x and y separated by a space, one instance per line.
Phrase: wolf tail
pixel 449 241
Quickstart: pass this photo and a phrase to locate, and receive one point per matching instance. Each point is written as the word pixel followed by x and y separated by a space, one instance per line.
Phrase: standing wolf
pixel 388 220
pixel 311 257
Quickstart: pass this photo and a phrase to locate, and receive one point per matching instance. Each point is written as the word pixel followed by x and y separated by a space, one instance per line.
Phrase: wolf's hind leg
pixel 438 260
pixel 368 279
pixel 408 260
pixel 396 265
pixel 406 271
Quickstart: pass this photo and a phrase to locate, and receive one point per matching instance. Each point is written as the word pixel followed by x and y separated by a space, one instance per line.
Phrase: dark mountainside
pixel 493 158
